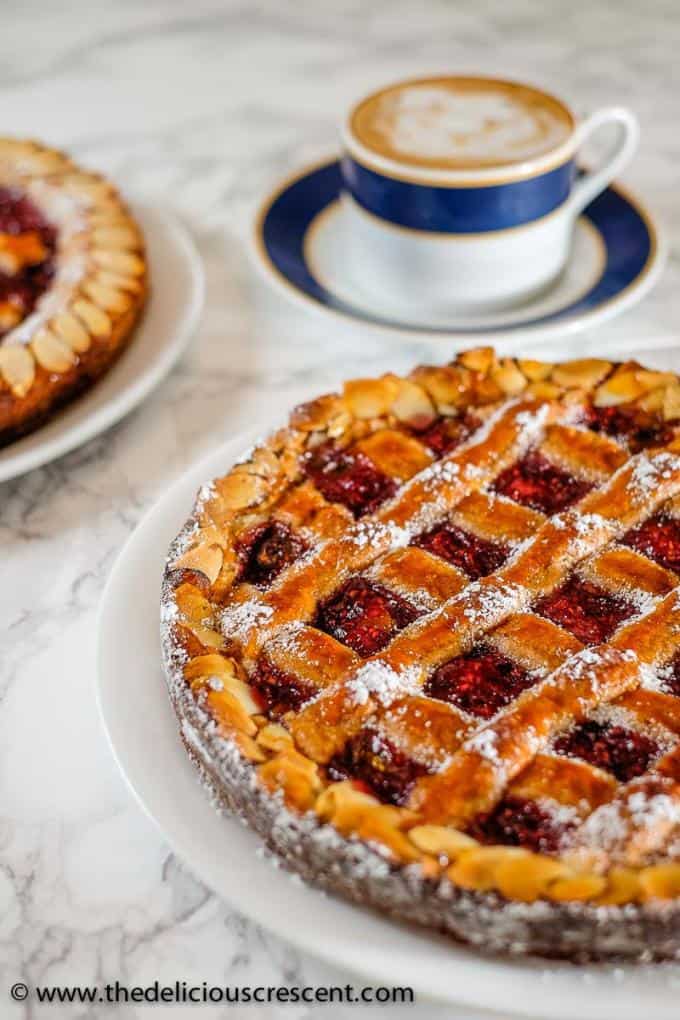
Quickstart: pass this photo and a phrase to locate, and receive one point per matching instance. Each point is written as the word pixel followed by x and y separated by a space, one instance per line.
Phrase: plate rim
pixel 602 981
pixel 121 404
pixel 567 326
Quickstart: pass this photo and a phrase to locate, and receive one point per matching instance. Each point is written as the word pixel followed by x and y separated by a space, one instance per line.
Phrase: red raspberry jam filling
pixel 587 611
pixel 349 478
pixel 445 434
pixel 268 550
pixel 658 538
pixel 481 682
pixel 615 749
pixel 535 482
pixel 519 822
pixel 278 692
pixel 637 427
pixel 20 290
pixel 475 556
pixel 378 765
pixel 364 615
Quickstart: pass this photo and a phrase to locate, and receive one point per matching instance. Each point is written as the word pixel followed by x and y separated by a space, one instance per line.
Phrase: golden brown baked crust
pixel 86 313
pixel 563 790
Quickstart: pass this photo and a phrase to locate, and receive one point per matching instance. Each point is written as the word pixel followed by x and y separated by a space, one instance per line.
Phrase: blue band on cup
pixel 450 210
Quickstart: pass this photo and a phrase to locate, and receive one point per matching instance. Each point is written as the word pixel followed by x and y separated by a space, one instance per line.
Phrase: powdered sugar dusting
pixel 485 744
pixel 533 425
pixel 378 680
pixel 648 473
pixel 489 603
pixel 239 621
pixel 612 825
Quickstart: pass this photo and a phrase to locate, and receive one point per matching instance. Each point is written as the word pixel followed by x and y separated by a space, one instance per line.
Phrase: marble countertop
pixel 202 107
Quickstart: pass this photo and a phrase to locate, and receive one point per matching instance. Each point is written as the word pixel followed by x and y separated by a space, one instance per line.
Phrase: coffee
pixel 461 123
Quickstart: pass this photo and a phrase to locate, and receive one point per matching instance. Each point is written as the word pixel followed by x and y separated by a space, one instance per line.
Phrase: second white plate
pixel 143 734
pixel 169 320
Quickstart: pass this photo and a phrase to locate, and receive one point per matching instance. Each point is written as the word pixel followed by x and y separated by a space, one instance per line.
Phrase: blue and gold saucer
pixel 301 243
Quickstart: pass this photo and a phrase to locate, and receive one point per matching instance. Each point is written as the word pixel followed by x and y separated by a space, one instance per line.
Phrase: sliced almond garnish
pixel 344 805
pixel 478 360
pixel 207 559
pixel 447 385
pixel 45 161
pixel 214 672
pixel 535 371
pixel 96 320
pixel 581 374
pixel 476 868
pixel 296 775
pixel 193 604
pixel 620 388
pixel 653 401
pixel 106 297
pixel 241 691
pixel 671 402
pixel 229 713
pixel 623 886
pixel 370 398
pixel 200 669
pixel 17 367
pixel 527 879
pixel 412 404
pixel 87 186
pixel 651 379
pixel 118 282
pixel 109 214
pixel 72 332
pixel 440 840
pixel 124 262
pixel 508 377
pixel 543 390
pixel 249 748
pixel 52 353
pixel 241 489
pixel 274 737
pixel 576 887
pixel 116 237
pixel 660 881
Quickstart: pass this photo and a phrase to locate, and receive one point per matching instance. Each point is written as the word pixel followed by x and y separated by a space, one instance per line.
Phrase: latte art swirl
pixel 464 123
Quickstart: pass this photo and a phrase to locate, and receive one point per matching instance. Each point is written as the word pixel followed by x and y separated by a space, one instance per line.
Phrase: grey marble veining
pixel 202 107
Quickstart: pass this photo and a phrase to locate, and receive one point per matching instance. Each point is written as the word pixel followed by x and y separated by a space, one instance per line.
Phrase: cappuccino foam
pixel 461 123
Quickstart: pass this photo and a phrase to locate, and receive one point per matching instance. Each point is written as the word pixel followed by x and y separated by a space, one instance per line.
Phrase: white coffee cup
pixel 464 191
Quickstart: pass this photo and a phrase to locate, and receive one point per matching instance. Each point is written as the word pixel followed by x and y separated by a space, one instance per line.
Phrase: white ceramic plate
pixel 169 320
pixel 143 735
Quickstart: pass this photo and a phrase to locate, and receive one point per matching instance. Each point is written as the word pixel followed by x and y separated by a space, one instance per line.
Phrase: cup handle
pixel 594 181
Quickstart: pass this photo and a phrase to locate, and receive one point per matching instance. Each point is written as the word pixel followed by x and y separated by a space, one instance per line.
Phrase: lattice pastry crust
pixel 425 639
pixel 73 281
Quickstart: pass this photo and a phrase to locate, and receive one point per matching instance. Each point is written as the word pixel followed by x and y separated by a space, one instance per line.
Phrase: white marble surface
pixel 202 106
